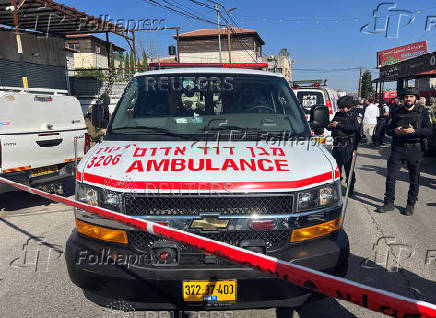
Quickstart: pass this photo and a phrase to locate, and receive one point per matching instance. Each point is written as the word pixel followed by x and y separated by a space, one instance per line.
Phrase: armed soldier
pixel 409 125
pixel 344 127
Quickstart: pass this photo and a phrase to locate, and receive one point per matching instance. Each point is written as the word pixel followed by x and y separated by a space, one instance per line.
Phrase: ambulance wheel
pixel 284 312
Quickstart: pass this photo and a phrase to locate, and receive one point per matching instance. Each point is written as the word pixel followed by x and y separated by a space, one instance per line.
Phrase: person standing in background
pixel 370 121
pixel 380 129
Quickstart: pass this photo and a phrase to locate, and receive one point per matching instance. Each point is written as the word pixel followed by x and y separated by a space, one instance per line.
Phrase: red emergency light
pixel 316 84
pixel 224 65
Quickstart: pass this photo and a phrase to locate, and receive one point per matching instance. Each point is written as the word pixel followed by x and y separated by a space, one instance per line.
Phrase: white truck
pixel 38 129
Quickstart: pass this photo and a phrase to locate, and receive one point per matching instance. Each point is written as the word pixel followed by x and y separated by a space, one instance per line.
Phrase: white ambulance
pixel 239 167
pixel 38 129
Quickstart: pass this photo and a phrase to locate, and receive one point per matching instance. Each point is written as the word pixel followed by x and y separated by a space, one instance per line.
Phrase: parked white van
pixel 38 129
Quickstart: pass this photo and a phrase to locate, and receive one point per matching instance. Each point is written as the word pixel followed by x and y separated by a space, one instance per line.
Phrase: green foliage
pixel 132 63
pixel 98 74
pixel 112 57
pixel 366 84
pixel 144 63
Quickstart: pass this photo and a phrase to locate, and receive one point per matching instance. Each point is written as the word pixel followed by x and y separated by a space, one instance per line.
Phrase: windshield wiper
pixel 246 130
pixel 220 128
pixel 152 130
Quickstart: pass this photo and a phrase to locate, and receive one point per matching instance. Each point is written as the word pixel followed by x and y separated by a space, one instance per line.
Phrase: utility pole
pixel 14 8
pixel 217 8
pixel 228 43
pixel 360 83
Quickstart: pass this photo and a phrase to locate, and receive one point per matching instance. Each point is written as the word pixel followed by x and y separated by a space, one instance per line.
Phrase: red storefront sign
pixel 401 53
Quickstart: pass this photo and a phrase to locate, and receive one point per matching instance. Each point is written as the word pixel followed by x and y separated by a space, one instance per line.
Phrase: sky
pixel 324 38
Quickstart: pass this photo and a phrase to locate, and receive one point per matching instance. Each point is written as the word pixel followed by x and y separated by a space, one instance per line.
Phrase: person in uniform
pixel 380 129
pixel 409 124
pixel 358 111
pixel 344 127
pixel 95 134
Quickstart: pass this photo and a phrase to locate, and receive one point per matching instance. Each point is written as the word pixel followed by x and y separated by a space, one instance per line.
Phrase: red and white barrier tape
pixel 374 299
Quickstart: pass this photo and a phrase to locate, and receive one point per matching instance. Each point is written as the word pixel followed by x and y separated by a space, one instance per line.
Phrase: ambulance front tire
pixel 284 312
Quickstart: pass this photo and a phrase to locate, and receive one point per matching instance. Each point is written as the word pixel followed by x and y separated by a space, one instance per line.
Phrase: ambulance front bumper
pixel 149 287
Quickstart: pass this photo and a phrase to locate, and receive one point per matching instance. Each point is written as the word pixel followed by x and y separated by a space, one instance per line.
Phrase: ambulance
pixel 223 152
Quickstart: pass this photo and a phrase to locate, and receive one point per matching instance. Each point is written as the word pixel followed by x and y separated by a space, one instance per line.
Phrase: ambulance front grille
pixel 192 205
pixel 273 239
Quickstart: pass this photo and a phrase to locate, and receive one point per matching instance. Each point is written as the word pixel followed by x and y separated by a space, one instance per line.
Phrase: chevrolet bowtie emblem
pixel 209 224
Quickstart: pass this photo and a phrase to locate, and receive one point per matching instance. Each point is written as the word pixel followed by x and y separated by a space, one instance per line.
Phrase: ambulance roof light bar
pixel 309 83
pixel 258 66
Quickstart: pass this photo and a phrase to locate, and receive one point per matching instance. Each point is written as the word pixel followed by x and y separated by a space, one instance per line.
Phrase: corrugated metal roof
pixel 49 17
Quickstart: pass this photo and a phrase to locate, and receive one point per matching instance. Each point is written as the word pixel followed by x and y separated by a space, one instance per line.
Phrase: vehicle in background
pixel 37 132
pixel 341 93
pixel 310 96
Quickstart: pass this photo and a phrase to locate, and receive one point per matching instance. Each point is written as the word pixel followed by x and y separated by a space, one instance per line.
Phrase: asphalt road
pixel 390 251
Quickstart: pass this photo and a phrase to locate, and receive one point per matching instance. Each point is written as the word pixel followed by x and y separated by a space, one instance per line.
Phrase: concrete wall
pixel 91 60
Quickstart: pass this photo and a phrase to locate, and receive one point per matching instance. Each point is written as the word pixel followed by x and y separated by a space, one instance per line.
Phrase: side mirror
pixel 100 112
pixel 319 117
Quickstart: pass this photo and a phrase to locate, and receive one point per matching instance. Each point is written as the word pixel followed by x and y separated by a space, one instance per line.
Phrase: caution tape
pixel 374 299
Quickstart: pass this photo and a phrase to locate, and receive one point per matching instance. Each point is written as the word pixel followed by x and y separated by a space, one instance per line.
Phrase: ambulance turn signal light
pixel 315 231
pixel 101 233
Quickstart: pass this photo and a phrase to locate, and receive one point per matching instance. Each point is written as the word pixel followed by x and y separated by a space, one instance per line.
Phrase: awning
pixel 49 17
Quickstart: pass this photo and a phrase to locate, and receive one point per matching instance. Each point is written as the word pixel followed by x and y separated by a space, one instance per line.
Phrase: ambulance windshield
pixel 186 104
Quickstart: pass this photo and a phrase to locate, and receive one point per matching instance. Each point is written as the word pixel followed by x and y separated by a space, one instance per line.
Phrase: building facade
pixel 202 46
pixel 91 52
pixel 280 63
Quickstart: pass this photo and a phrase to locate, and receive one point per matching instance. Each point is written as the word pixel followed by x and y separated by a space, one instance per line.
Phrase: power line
pixel 179 11
pixel 246 49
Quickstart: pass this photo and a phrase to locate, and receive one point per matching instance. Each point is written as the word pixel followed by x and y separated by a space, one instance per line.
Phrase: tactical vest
pixel 412 118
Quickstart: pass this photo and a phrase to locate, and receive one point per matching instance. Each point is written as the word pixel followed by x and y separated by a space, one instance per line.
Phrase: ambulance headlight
pixel 319 197
pixel 111 200
pixel 87 194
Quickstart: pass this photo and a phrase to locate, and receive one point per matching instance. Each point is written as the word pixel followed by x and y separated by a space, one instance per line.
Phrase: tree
pixel 112 57
pixel 144 61
pixel 126 66
pixel 132 63
pixel 366 84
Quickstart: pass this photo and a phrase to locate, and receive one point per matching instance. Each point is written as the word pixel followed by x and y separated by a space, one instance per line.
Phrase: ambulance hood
pixel 188 166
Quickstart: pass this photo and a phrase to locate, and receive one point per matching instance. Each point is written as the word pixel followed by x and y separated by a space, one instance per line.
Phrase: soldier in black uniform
pixel 344 127
pixel 358 111
pixel 409 124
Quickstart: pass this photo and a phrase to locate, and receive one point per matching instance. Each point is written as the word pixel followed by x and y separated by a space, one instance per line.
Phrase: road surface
pixel 388 251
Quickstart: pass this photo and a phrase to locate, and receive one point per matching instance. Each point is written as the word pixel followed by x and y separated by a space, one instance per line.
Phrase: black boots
pixel 409 209
pixel 387 206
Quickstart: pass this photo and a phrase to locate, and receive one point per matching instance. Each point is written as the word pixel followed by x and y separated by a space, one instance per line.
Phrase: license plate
pixel 43 171
pixel 207 291
pixel 308 103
